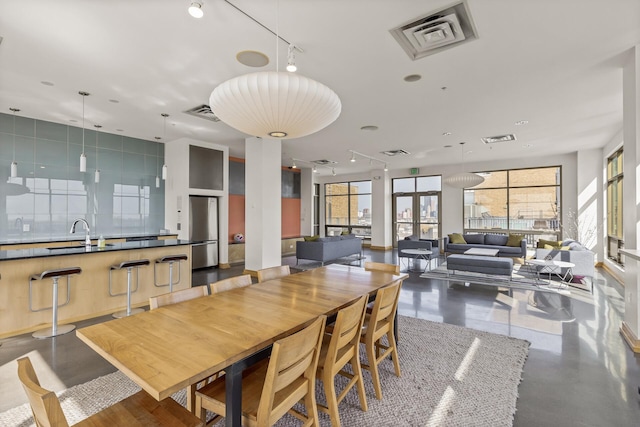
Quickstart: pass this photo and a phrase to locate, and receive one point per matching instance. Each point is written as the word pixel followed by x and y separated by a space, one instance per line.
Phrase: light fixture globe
pixel 463 180
pixel 279 105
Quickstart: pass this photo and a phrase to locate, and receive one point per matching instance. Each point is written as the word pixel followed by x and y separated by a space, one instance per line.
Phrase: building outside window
pixel 348 208
pixel 525 201
pixel 614 207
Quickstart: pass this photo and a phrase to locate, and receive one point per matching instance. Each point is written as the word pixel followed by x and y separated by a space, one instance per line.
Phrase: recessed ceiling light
pixel 526 146
pixel 115 101
pixel 47 83
pixel 369 127
pixel 252 58
pixel 446 133
pixel 120 130
pixel 73 121
pixel 521 122
pixel 412 78
pixel 448 146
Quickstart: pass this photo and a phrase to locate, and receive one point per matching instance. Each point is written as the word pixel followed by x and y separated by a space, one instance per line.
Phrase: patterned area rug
pixel 523 277
pixel 451 376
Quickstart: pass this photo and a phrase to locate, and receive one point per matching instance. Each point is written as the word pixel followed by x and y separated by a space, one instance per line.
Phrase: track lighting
pixel 294 165
pixel 291 59
pixel 371 159
pixel 195 9
pixel 333 171
pixel 386 169
pixel 353 157
pixel 315 169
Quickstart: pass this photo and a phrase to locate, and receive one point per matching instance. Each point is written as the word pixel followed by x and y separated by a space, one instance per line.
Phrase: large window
pixel 518 200
pixel 614 207
pixel 348 208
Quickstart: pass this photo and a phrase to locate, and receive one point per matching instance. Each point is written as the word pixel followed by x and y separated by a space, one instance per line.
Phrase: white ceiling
pixel 555 63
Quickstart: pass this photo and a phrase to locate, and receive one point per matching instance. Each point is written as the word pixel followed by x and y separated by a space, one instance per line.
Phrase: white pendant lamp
pixel 96 175
pixel 83 158
pixel 463 179
pixel 164 135
pixel 274 104
pixel 157 157
pixel 14 164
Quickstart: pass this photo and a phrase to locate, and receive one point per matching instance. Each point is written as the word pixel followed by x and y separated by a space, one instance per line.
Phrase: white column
pixel 631 129
pixel 263 205
pixel 381 237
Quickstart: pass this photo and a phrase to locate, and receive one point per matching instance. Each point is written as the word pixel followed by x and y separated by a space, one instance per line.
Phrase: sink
pixel 77 247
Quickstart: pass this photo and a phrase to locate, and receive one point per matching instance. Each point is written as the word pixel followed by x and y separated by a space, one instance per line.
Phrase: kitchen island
pixel 89 291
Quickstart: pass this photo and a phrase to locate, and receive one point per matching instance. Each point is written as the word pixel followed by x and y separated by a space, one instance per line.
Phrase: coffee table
pixel 418 254
pixel 552 266
pixel 482 252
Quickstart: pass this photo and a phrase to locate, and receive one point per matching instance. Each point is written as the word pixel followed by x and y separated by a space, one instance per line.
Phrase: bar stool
pixel 168 259
pixel 129 265
pixel 55 275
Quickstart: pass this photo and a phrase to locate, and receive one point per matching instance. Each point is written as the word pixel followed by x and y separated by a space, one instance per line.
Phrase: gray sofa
pixel 329 248
pixel 489 241
pixel 577 254
pixel 413 243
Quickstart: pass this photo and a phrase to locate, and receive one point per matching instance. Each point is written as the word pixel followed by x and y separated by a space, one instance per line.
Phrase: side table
pixel 418 254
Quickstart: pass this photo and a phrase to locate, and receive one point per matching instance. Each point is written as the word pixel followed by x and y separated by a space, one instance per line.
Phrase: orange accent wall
pixel 236 215
pixel 290 218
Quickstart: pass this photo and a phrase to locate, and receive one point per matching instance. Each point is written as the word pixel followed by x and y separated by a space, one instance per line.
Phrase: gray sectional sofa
pixel 329 248
pixel 490 241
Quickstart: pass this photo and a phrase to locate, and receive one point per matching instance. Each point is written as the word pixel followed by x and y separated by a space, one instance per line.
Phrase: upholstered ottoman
pixel 480 264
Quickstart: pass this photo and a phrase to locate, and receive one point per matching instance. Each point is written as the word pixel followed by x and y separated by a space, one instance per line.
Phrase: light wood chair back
pixel 379 323
pixel 272 387
pixel 178 296
pixel 273 273
pixel 380 266
pixel 137 409
pixel 230 283
pixel 339 348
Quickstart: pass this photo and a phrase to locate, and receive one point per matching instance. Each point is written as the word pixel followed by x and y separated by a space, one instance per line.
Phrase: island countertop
pixel 79 248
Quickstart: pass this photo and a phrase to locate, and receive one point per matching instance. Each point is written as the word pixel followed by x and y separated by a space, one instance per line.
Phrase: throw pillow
pixel 344 233
pixel 543 242
pixel 311 238
pixel 515 240
pixel 556 248
pixel 456 239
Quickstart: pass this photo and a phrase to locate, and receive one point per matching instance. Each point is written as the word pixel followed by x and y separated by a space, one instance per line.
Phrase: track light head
pixel 291 59
pixel 195 9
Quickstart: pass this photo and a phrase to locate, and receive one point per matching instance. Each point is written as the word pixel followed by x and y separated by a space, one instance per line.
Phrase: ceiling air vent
pixel 204 112
pixel 324 162
pixel 436 31
pixel 392 153
pixel 499 138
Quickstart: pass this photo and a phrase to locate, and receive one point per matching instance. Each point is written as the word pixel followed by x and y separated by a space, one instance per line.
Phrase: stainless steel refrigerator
pixel 203 231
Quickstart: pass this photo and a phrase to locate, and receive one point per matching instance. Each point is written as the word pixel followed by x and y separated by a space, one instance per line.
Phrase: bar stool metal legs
pixel 170 259
pixel 129 265
pixel 55 275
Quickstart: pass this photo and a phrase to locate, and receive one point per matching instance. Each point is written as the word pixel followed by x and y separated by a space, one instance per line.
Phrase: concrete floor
pixel 579 371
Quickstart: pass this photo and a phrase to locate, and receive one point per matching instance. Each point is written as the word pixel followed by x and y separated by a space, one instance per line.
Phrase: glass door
pixel 416 214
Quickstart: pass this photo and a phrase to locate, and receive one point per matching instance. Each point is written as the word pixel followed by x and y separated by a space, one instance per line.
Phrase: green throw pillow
pixel 515 240
pixel 543 242
pixel 345 233
pixel 456 239
pixel 311 238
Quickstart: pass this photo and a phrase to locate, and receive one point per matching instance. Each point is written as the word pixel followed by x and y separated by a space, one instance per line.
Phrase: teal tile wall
pixel 50 191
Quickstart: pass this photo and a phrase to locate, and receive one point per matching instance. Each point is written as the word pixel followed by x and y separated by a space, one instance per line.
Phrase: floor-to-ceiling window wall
pixel 614 206
pixel 526 201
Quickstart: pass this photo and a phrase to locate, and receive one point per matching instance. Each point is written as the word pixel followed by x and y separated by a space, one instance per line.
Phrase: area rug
pixel 523 277
pixel 451 376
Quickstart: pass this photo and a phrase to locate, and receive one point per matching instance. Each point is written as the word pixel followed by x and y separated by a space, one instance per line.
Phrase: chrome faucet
pixel 87 239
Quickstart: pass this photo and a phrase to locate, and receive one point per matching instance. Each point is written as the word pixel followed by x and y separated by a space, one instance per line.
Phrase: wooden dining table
pixel 169 348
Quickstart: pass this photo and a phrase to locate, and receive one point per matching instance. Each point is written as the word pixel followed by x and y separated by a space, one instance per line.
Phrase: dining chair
pixel 273 273
pixel 139 409
pixel 339 348
pixel 380 266
pixel 174 298
pixel 379 323
pixel 271 387
pixel 178 296
pixel 230 283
